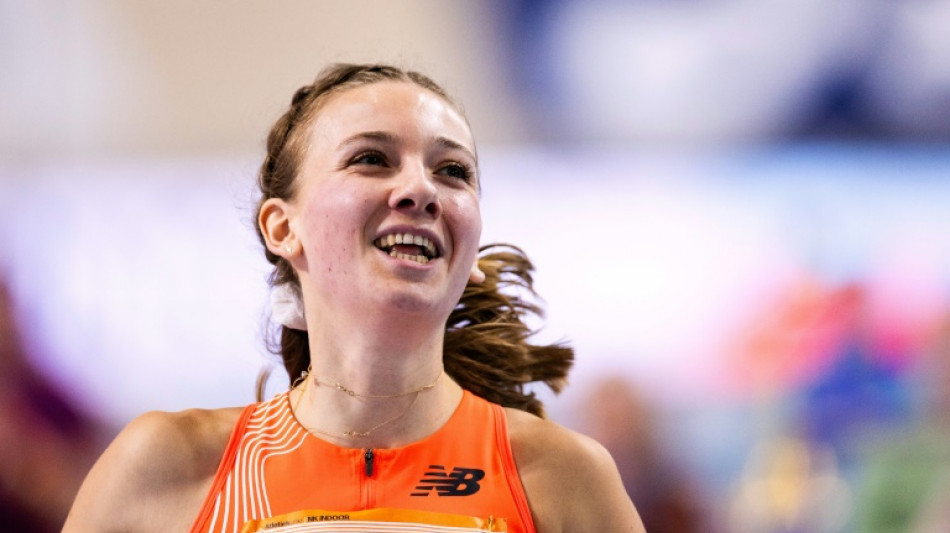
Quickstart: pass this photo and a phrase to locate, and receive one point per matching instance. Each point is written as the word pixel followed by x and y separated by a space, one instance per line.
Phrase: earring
pixel 289 249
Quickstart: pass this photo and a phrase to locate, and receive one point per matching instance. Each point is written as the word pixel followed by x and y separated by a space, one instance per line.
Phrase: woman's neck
pixel 376 357
pixel 375 387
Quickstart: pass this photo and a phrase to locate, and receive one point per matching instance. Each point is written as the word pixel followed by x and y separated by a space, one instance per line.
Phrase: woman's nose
pixel 416 191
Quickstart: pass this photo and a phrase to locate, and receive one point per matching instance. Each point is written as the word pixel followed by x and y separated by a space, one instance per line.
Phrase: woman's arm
pixel 154 475
pixel 571 481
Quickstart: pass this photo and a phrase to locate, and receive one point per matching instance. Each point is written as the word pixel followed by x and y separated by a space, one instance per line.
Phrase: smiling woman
pixel 408 353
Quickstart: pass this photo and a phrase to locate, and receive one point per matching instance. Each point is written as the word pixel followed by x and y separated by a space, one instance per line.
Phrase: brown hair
pixel 486 348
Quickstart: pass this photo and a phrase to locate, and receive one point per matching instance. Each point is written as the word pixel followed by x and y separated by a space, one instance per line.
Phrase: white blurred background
pixel 739 211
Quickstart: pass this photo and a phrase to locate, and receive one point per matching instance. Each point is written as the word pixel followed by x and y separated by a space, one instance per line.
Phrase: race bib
pixel 373 521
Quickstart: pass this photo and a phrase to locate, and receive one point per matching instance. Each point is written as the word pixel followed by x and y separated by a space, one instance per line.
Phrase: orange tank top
pixel 276 476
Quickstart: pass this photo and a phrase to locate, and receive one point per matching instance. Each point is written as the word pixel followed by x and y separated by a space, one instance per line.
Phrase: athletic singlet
pixel 276 476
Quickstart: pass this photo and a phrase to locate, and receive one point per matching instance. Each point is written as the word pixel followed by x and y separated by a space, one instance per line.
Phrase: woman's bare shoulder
pixel 558 465
pixel 180 446
pixel 194 438
pixel 154 473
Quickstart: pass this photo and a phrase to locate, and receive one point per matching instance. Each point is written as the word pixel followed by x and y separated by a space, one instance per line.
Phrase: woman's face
pixel 386 206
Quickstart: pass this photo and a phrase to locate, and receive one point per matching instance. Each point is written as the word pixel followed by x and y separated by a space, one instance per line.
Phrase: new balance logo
pixel 458 482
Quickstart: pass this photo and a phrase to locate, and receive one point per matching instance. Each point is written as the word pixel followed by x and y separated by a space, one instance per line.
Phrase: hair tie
pixel 287 308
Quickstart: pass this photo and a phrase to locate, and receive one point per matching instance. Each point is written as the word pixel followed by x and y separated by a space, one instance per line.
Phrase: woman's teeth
pixel 390 243
pixel 417 258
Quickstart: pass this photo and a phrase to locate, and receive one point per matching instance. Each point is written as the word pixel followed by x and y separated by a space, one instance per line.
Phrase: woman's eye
pixel 369 158
pixel 457 171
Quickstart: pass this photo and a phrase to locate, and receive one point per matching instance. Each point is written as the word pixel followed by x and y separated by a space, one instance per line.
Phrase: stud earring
pixel 289 249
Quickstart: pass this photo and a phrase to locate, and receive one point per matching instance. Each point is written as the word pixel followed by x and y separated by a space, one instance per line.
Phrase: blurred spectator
pixel 620 419
pixel 859 390
pixel 840 373
pixel 46 444
pixel 790 486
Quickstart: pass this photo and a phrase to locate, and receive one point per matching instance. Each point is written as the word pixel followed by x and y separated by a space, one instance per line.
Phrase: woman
pixel 370 214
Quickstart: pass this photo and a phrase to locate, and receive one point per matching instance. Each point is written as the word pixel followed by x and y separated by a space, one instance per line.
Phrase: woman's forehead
pixel 396 108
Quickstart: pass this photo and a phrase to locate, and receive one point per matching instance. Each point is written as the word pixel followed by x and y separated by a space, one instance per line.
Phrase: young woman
pixel 407 361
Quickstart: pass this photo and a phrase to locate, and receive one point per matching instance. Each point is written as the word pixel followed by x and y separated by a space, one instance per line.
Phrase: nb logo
pixel 458 482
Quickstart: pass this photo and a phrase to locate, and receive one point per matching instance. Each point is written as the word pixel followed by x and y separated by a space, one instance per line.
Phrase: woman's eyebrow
pixel 445 142
pixel 388 138
pixel 378 136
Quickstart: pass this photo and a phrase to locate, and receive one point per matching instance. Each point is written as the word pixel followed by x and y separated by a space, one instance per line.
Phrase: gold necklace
pixel 355 394
pixel 353 434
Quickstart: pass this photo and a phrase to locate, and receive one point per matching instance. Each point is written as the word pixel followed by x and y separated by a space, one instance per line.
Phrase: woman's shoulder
pixel 168 459
pixel 557 465
pixel 544 448
pixel 187 443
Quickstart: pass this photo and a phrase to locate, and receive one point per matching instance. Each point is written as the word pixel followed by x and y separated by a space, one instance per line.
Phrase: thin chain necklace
pixel 353 393
pixel 354 434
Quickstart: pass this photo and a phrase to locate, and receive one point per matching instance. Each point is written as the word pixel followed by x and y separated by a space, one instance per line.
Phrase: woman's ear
pixel 274 221
pixel 476 275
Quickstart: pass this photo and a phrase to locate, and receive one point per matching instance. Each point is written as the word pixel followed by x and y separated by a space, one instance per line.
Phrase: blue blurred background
pixel 739 210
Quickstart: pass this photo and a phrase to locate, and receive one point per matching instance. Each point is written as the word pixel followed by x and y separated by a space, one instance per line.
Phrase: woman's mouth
pixel 408 246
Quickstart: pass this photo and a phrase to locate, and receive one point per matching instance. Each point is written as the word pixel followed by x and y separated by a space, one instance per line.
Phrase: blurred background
pixel 739 210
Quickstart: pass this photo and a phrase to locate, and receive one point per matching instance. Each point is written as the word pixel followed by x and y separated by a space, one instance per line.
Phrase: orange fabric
pixel 273 466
